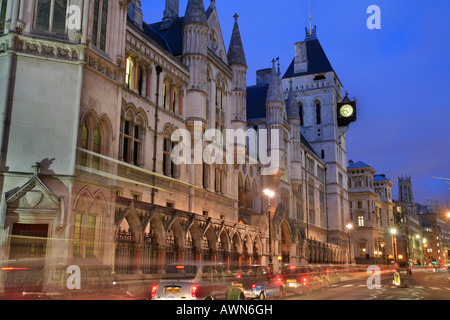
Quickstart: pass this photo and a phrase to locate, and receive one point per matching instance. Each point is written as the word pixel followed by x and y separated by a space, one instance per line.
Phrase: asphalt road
pixel 421 285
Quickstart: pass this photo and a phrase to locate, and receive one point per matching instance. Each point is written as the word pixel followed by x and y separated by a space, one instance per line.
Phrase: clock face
pixel 346 110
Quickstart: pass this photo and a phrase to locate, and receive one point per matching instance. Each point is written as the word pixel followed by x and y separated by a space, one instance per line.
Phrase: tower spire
pixel 311 33
pixel 310 18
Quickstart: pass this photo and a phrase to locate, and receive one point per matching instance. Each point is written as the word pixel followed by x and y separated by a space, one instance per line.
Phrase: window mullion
pixel 50 18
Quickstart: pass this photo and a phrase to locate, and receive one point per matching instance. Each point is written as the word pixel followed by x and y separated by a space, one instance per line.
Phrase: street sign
pixel 397 280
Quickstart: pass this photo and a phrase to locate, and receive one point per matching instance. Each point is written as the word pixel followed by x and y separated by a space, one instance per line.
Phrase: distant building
pixel 435 232
pixel 407 222
pixel 87 118
pixel 371 214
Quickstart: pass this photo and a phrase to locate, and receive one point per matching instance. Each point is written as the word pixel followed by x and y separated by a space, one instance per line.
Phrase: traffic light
pixel 434 261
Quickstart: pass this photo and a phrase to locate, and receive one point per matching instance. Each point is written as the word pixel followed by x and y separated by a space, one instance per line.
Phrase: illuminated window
pixel 361 221
pixel 84 230
pixel 91 140
pixel 90 236
pixel 128 73
pixel 77 234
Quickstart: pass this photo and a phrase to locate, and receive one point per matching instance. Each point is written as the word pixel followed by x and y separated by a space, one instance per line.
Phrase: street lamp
pixel 349 226
pixel 394 235
pixel 269 193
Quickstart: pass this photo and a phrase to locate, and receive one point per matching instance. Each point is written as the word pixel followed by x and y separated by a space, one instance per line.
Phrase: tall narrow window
pixel 167 163
pixel 84 144
pixel 77 234
pixel 51 16
pixel 100 23
pixel 128 73
pixel 318 112
pixel 96 149
pixel 165 88
pixel 90 237
pixel 131 143
pixel 3 4
pixel 174 101
pixel 300 113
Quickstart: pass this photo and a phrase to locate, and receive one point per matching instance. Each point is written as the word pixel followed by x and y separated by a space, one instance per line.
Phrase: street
pixel 422 285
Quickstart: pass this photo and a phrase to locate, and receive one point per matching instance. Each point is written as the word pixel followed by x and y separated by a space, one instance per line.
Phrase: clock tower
pixel 324 119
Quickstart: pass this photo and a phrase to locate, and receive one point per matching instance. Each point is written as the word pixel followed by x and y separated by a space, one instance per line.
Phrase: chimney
pixel 135 13
pixel 263 76
pixel 301 58
pixel 170 13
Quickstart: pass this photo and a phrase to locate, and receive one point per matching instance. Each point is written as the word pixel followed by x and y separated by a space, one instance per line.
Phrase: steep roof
pixel 358 165
pixel 236 53
pixel 195 12
pixel 170 39
pixel 317 60
pixel 379 178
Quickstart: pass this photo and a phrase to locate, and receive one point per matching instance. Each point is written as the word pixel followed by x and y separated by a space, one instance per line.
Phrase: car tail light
pixel 153 294
pixel 194 291
pixel 12 268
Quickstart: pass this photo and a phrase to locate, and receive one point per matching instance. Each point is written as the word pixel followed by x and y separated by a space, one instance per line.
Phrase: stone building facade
pixel 371 215
pixel 90 108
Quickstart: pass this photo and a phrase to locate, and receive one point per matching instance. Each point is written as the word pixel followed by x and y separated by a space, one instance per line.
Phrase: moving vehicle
pixel 79 279
pixel 403 267
pixel 196 281
pixel 300 278
pixel 329 275
pixel 258 282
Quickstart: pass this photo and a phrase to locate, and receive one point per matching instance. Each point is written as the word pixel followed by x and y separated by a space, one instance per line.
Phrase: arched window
pixel 88 213
pixel 318 112
pixel 170 169
pixel 132 133
pixel 92 143
pixel 97 148
pixel 84 143
pixel 300 113
pixel 165 95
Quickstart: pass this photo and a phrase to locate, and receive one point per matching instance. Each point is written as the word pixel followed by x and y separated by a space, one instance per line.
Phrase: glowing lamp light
pixel 269 193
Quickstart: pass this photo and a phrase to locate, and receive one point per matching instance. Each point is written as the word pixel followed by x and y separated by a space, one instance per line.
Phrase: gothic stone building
pixel 89 104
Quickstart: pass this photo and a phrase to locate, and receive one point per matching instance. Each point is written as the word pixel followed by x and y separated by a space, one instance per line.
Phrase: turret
pixel 237 62
pixel 195 42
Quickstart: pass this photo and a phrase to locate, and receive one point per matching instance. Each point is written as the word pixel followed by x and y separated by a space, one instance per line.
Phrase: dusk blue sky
pixel 399 74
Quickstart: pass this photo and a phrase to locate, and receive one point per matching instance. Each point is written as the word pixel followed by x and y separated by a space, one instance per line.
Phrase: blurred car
pixel 403 267
pixel 195 281
pixel 300 278
pixel 258 282
pixel 330 274
pixel 40 279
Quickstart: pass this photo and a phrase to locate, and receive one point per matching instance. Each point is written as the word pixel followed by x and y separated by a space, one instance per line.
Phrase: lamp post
pixel 394 239
pixel 269 193
pixel 349 226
